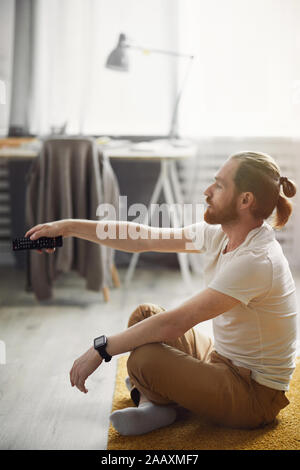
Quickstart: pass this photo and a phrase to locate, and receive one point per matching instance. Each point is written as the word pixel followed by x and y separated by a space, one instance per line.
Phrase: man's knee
pixel 142 312
pixel 138 314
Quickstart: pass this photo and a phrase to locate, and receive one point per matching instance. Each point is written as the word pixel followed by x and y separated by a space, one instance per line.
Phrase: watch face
pixel 100 341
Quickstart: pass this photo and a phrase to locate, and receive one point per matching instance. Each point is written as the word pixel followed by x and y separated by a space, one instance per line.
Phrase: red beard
pixel 221 216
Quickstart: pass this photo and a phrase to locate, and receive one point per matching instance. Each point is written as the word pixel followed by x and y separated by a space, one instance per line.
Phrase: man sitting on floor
pixel 239 380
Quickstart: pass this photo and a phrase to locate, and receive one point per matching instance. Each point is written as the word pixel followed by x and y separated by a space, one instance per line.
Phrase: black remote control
pixel 39 244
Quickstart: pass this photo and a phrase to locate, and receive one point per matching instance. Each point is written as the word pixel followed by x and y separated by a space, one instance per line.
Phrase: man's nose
pixel 208 191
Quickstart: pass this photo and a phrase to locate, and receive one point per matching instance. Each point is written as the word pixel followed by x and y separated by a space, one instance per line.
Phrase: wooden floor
pixel 38 407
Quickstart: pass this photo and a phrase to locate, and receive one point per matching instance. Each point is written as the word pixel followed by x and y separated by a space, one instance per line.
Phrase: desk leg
pixel 153 200
pixel 180 200
pixel 182 257
pixel 28 286
pixel 163 182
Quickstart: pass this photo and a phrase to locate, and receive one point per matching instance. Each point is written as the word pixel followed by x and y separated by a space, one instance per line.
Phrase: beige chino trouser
pixel 188 372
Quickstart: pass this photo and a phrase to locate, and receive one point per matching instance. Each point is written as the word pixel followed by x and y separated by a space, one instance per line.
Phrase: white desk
pixel 167 182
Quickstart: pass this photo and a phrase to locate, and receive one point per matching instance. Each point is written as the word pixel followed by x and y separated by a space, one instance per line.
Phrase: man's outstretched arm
pixel 159 328
pixel 121 235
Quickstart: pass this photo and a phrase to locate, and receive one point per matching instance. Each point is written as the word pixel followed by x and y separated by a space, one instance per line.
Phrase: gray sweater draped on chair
pixel 68 180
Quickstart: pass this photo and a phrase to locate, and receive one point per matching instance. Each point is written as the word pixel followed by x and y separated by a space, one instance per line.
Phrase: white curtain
pixel 246 76
pixel 72 39
pixel 7 11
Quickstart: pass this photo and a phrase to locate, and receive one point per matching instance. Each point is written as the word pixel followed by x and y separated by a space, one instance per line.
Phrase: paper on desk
pixel 160 145
pixel 153 146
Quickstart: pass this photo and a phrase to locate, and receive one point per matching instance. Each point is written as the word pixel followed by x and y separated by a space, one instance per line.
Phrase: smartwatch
pixel 100 344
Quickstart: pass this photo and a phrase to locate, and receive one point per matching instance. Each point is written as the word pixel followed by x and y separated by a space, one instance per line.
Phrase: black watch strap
pixel 100 344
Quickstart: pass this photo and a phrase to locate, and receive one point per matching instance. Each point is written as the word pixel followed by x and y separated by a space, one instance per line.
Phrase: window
pixel 70 83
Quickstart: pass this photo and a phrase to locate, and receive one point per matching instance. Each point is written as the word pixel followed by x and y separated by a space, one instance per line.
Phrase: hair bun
pixel 288 186
pixel 283 179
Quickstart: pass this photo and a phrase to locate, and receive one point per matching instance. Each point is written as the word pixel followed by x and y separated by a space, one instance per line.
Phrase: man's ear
pixel 247 200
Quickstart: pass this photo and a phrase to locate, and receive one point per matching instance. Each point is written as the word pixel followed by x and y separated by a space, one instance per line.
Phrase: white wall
pixel 246 75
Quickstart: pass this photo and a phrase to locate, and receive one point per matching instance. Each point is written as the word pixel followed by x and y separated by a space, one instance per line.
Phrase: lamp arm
pixel 173 129
pixel 158 51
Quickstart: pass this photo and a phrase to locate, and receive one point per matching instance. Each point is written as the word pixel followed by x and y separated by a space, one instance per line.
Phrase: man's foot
pixel 146 418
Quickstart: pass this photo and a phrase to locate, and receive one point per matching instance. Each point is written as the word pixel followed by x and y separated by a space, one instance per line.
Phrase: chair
pixel 69 179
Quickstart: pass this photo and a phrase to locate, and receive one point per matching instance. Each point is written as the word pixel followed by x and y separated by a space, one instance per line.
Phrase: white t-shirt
pixel 260 333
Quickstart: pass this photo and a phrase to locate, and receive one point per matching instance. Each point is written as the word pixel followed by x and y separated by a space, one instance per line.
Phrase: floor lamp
pixel 118 60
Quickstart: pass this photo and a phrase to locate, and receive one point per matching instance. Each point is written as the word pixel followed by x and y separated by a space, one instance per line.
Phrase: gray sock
pixel 145 418
pixel 128 383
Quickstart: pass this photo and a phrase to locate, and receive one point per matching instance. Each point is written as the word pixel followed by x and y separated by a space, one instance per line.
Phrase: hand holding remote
pixel 49 229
